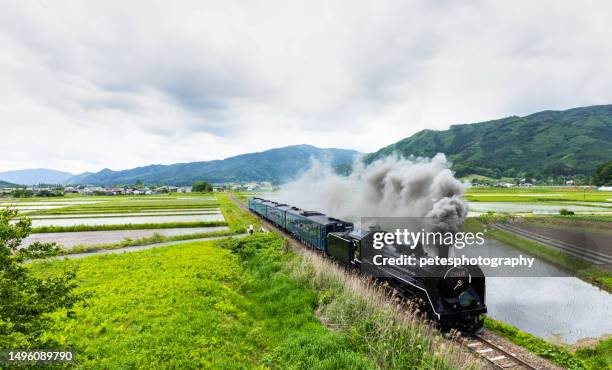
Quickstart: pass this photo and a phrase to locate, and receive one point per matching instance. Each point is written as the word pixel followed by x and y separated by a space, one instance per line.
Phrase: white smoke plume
pixel 390 187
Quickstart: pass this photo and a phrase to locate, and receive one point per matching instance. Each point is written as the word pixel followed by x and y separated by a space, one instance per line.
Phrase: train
pixel 454 297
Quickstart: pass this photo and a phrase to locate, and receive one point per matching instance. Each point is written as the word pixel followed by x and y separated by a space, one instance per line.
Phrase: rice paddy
pixel 83 221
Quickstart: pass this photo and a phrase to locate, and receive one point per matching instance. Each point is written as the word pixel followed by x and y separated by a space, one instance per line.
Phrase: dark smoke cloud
pixel 390 187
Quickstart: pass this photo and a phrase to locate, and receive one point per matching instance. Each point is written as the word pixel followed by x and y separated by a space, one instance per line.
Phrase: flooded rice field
pixel 156 213
pixel 560 308
pixel 71 239
pixel 518 207
pixel 36 207
pixel 90 221
pixel 55 203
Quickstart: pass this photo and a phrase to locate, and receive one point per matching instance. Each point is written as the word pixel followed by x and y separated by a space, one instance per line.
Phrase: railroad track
pixel 594 257
pixel 484 348
pixel 495 355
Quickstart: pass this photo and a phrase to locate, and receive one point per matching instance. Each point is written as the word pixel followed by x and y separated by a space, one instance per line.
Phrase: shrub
pixel 27 299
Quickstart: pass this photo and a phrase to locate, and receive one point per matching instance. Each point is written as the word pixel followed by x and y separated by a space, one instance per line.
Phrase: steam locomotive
pixel 452 296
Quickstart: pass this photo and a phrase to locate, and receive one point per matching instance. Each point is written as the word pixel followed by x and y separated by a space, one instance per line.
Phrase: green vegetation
pixel 582 269
pixel 167 225
pixel 380 325
pixel 25 298
pixel 237 220
pixel 201 187
pixel 603 175
pixel 537 194
pixel 541 145
pixel 587 358
pixel 589 219
pixel 196 305
pixel 22 193
pixel 599 357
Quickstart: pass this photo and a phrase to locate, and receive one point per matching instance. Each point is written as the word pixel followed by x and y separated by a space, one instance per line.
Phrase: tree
pixel 201 187
pixel 25 299
pixel 22 193
pixel 603 175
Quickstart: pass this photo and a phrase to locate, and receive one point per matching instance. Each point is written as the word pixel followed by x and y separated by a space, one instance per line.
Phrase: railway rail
pixel 594 257
pixel 495 354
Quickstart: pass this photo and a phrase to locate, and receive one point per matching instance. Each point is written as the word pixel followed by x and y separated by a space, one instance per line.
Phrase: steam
pixel 390 187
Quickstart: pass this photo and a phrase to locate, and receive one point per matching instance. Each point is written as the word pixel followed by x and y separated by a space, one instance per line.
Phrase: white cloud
pixel 87 85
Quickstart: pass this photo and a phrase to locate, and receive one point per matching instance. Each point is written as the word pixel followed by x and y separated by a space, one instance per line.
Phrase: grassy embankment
pixel 595 358
pixel 248 302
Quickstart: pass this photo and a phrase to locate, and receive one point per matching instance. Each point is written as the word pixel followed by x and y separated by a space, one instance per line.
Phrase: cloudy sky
pixel 86 85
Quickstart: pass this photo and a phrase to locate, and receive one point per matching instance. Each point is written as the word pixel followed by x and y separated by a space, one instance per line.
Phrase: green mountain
pixel 275 165
pixel 548 143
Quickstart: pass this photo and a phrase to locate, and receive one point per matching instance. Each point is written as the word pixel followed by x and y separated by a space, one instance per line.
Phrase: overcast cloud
pixel 91 84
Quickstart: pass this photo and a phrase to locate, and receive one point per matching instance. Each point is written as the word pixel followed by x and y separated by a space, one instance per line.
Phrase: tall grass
pixel 386 329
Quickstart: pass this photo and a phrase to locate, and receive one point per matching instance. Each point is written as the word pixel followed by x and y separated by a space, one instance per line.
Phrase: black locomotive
pixel 453 296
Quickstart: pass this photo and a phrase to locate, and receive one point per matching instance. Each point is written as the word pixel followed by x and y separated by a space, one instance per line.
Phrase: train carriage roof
pixel 313 216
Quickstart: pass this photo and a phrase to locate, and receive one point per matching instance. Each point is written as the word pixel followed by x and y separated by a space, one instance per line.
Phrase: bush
pixel 201 187
pixel 565 212
pixel 25 299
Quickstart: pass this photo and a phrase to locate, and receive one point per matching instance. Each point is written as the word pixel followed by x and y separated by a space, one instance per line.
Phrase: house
pixel 114 191
pixel 70 190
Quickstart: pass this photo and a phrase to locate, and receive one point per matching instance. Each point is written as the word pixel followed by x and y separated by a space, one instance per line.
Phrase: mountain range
pixel 548 143
pixel 4 184
pixel 35 176
pixel 275 165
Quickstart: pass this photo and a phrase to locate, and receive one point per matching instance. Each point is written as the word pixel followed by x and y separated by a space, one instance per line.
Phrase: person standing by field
pixel 251 229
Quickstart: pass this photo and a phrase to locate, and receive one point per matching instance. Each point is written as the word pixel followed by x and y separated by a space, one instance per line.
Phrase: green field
pixel 216 305
pixel 194 305
pixel 537 194
pixel 242 303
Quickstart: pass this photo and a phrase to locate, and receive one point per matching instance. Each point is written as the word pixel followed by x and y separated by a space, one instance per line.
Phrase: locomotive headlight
pixel 466 299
